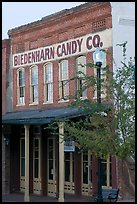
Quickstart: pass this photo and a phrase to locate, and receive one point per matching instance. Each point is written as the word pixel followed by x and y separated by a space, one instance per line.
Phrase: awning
pixel 42 116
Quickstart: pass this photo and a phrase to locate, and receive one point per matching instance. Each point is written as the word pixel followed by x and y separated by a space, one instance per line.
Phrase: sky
pixel 15 14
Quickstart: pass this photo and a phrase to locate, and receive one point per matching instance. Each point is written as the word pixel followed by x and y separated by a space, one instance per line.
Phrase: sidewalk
pixel 19 197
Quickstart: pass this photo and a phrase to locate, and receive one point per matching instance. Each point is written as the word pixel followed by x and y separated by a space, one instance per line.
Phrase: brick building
pixel 43 56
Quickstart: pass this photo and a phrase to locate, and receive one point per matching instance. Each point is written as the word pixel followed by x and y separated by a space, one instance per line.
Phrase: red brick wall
pixel 5 67
pixel 126 178
pixel 65 26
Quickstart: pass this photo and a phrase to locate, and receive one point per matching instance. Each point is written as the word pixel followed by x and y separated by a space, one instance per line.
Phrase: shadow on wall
pixel 127 178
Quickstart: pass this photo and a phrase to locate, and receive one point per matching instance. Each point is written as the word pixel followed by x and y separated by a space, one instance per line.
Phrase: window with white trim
pixel 81 70
pixel 63 80
pixel 106 172
pixel 21 86
pixel 34 84
pixel 48 83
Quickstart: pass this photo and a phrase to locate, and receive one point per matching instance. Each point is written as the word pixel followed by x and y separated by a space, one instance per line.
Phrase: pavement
pixel 19 197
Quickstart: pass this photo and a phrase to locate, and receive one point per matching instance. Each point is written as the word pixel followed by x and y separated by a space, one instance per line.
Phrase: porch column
pixel 61 162
pixel 26 196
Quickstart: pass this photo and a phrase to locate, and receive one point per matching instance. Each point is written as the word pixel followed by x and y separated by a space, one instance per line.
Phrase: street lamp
pixel 98 57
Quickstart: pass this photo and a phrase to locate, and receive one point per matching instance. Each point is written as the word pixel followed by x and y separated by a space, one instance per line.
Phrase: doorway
pixel 86 173
pixel 69 172
pixel 52 185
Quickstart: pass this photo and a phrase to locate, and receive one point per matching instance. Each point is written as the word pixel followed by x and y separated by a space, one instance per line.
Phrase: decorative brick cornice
pixel 55 16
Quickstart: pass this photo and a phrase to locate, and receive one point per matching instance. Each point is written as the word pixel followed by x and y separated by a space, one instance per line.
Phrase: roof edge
pixel 53 16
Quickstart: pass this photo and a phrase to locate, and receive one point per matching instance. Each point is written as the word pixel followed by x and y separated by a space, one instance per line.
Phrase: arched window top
pixel 48 72
pixel 21 86
pixel 34 74
pixel 20 69
pixel 64 70
pixel 80 64
pixel 21 76
pixel 81 60
pixel 65 62
pixel 34 67
pixel 48 64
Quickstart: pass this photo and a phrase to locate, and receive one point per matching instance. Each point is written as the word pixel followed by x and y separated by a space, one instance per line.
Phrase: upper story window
pixel 34 84
pixel 48 83
pixel 21 86
pixel 63 80
pixel 81 70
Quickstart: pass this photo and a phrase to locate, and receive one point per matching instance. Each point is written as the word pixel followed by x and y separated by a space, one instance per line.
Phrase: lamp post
pixel 98 57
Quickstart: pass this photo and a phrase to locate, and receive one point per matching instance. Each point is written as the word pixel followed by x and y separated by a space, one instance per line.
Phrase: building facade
pixel 43 57
pixel 123 21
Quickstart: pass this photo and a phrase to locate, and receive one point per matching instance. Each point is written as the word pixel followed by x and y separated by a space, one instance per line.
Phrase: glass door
pixel 22 164
pixel 51 168
pixel 36 165
pixel 86 173
pixel 69 172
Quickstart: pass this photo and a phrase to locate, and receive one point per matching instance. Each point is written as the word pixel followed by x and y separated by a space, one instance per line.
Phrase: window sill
pixel 48 102
pixel 33 104
pixel 103 97
pixel 22 104
pixel 82 98
pixel 63 101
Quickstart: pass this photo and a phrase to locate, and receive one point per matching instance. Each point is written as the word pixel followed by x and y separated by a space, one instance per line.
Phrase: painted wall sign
pixel 68 48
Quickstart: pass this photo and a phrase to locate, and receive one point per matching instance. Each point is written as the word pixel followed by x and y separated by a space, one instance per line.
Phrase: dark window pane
pixel 36 154
pixel 50 149
pixel 51 154
pixel 73 171
pixel 21 91
pixel 85 157
pixel 23 167
pixel 104 174
pixel 35 93
pixel 36 129
pixel 36 143
pixel 51 143
pixel 67 156
pixel 36 168
pixel 51 169
pixel 67 171
pixel 85 172
pixel 110 174
pixel 21 78
pixel 23 148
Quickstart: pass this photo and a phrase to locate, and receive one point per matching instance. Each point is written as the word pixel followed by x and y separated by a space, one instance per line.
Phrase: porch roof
pixel 42 116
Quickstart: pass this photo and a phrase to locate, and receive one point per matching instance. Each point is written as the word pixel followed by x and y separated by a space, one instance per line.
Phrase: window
pixel 22 156
pixel 36 157
pixel 63 80
pixel 86 173
pixel 21 86
pixel 50 159
pixel 106 172
pixel 81 70
pixel 69 166
pixel 34 84
pixel 48 83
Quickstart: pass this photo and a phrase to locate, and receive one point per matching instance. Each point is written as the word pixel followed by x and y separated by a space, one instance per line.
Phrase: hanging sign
pixel 69 146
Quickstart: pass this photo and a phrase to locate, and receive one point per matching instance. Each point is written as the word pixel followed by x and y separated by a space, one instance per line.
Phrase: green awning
pixel 42 116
